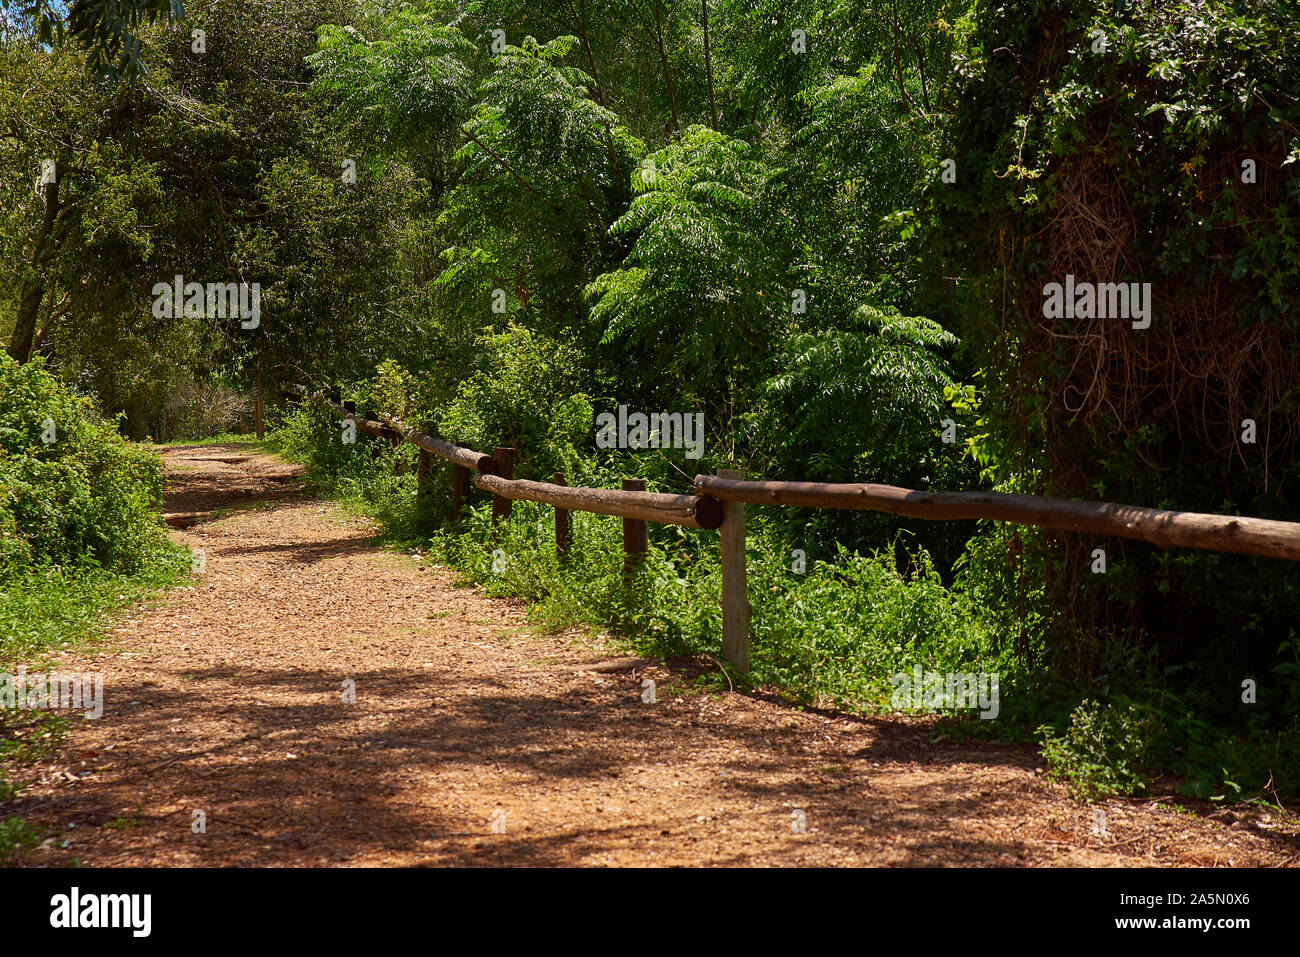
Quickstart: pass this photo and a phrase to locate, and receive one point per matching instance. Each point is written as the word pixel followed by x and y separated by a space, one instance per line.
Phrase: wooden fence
pixel 719 503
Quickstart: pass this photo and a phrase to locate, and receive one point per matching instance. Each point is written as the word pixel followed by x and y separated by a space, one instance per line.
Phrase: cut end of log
pixel 708 512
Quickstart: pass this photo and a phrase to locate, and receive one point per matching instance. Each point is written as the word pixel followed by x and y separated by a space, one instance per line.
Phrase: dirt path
pixel 228 698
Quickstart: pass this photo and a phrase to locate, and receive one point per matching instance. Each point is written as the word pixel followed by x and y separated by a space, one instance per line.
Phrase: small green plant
pixel 16 833
pixel 1103 751
pixel 25 736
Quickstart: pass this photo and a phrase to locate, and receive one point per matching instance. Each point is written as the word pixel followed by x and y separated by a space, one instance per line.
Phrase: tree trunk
pixel 29 306
pixel 663 60
pixel 708 64
pixel 600 99
pixel 586 46
pixel 33 291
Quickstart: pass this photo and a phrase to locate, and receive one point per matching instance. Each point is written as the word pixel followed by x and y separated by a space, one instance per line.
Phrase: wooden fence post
pixel 735 599
pixel 505 460
pixel 422 471
pixel 459 490
pixel 563 533
pixel 636 532
pixel 257 412
pixel 399 466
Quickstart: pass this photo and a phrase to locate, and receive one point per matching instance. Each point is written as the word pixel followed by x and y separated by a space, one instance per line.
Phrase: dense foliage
pixel 1109 146
pixel 79 522
pixel 72 490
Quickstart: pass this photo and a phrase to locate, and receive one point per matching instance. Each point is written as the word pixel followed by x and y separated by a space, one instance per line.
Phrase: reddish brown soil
pixel 226 697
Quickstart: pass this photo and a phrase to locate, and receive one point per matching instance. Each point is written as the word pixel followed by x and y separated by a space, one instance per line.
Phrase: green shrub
pixel 368 471
pixel 1105 749
pixel 73 492
pixel 528 396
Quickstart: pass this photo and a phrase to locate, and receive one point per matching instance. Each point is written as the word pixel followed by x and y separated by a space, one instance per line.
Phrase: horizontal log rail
pixel 370 426
pixel 455 454
pixel 1167 529
pixel 692 511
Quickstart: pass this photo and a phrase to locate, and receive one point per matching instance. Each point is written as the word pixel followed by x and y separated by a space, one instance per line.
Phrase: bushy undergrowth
pixel 79 515
pixel 73 492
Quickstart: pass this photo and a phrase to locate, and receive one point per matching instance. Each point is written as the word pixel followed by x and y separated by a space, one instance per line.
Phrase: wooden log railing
pixel 693 511
pixel 1168 529
pixel 720 500
pixel 455 454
